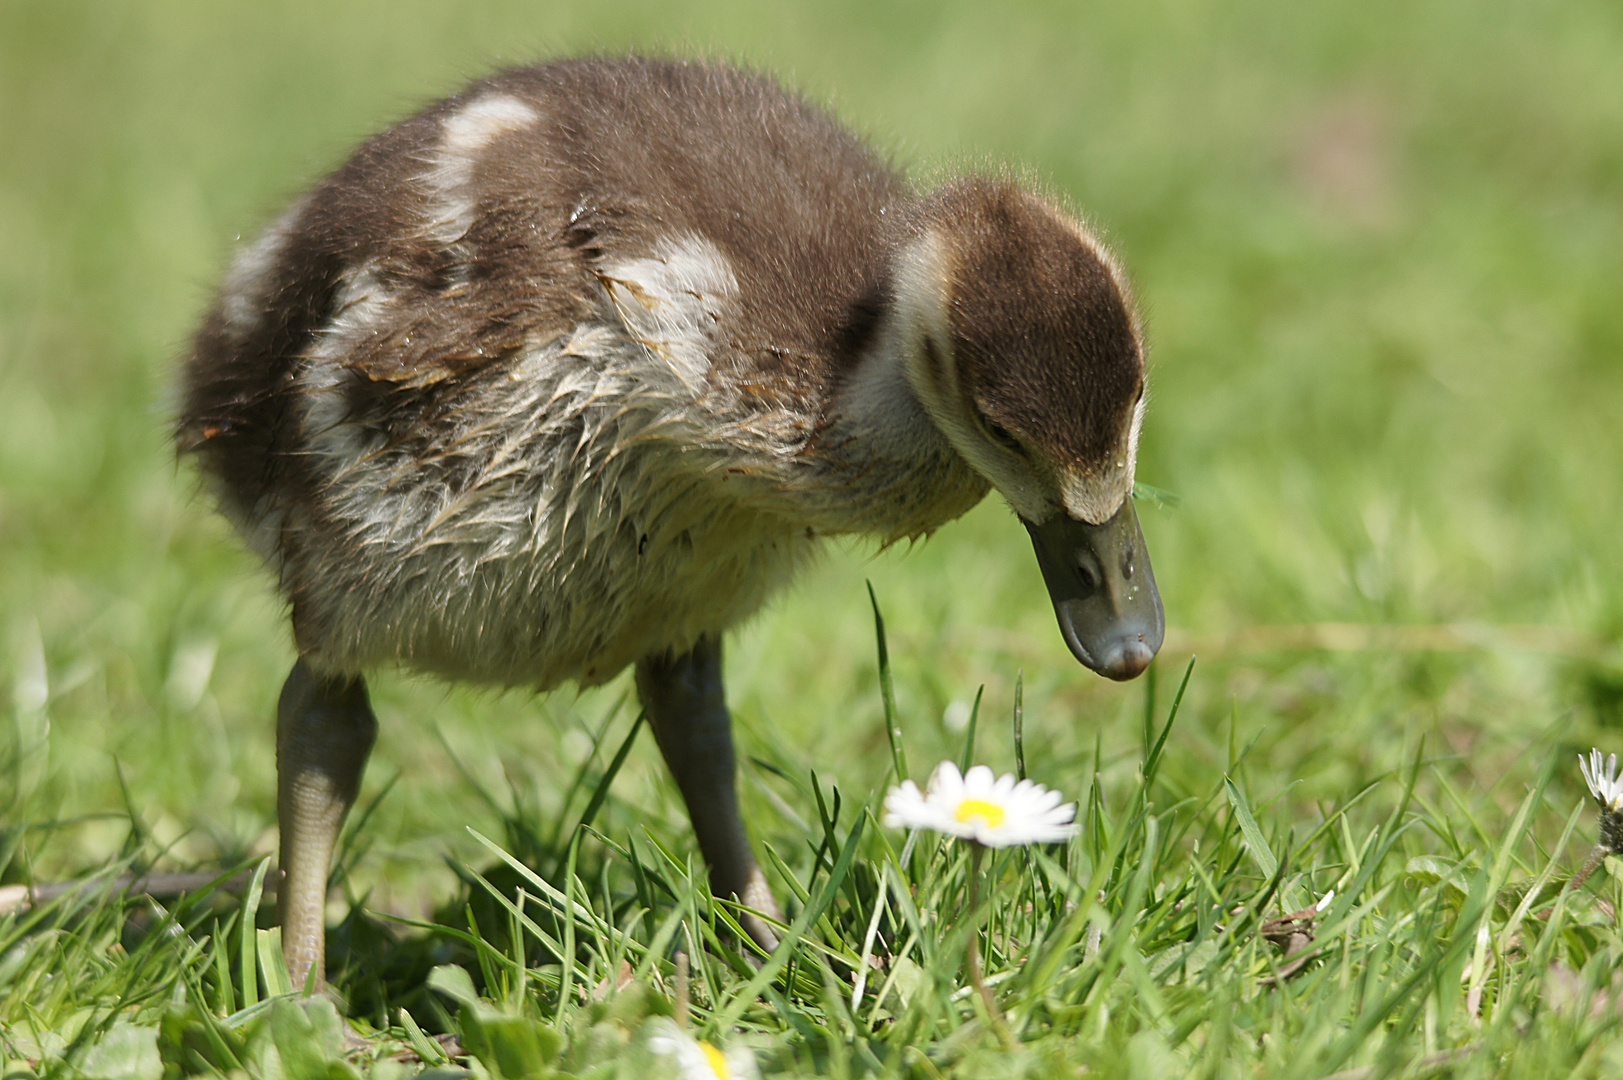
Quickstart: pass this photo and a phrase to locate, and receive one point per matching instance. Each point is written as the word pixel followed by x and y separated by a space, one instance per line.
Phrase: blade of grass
pixel 887 692
pixel 249 950
pixel 1020 724
pixel 1251 835
pixel 567 959
pixel 271 964
pixel 1152 759
pixel 430 1051
pixel 969 733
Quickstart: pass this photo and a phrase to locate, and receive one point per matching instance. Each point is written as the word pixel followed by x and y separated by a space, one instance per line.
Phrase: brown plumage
pixel 572 370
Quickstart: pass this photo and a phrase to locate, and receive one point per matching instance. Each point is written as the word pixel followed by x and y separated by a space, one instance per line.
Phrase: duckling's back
pixel 521 392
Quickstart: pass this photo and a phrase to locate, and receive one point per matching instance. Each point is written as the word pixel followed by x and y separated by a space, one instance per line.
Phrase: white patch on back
pixel 326 429
pixel 247 287
pixel 673 302
pixel 467 132
pixel 361 307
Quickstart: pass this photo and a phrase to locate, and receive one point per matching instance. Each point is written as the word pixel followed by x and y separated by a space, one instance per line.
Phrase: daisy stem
pixel 1596 857
pixel 1611 842
pixel 974 958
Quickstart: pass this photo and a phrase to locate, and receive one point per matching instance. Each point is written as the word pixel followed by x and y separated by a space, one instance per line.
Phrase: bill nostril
pixel 1088 577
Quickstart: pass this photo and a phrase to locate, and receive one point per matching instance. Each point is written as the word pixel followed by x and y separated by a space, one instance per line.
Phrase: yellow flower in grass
pixel 994 811
pixel 696 1059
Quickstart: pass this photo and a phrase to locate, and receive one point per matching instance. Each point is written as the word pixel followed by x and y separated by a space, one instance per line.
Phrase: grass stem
pixel 973 959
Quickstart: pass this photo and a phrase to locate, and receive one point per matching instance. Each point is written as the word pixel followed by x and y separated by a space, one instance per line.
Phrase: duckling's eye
pixel 1002 434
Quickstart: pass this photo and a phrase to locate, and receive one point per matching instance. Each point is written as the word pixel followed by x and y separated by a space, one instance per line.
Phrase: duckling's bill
pixel 1103 589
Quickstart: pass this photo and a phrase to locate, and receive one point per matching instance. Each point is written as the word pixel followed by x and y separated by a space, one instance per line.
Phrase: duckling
pixel 570 372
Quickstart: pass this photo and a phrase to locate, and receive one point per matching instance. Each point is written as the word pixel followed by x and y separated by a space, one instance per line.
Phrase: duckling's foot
pixel 757 896
pixel 687 708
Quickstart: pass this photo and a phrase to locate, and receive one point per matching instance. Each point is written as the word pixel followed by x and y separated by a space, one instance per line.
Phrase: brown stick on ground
pixel 17 897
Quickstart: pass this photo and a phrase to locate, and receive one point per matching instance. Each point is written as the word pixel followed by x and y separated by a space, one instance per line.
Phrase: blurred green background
pixel 1380 252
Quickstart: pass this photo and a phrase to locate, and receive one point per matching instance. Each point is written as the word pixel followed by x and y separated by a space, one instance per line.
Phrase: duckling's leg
pixel 324 731
pixel 688 710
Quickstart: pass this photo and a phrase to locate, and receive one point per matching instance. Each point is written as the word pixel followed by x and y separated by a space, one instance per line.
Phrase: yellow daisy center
pixel 989 812
pixel 717 1060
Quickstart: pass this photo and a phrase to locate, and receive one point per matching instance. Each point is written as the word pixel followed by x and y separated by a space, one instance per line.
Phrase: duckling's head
pixel 1025 352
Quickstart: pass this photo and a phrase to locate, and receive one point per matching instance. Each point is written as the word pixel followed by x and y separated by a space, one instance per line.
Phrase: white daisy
pixel 1600 773
pixel 992 811
pixel 697 1059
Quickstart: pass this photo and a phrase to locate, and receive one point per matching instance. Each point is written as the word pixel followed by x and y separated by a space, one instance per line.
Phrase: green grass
pixel 1379 249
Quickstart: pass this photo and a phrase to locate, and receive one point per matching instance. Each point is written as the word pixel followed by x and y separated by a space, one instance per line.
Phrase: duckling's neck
pixel 900 476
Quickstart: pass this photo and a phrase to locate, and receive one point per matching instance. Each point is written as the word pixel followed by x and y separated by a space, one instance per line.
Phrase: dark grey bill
pixel 1103 590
